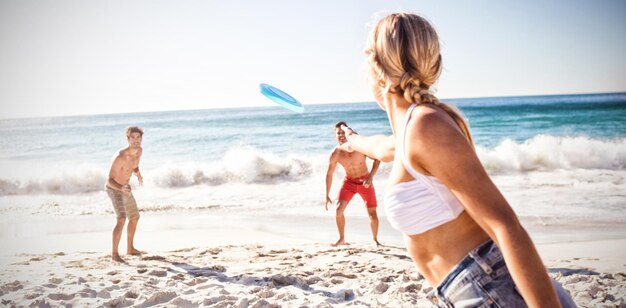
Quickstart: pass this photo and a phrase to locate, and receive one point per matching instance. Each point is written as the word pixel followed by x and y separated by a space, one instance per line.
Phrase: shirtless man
pixel 125 164
pixel 358 180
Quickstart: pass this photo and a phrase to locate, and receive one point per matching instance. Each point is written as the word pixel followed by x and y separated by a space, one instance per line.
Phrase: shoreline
pixel 595 248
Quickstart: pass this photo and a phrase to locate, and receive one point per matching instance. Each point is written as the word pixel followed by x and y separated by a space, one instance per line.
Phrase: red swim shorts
pixel 353 186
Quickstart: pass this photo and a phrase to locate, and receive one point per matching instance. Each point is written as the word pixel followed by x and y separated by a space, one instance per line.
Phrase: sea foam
pixel 243 164
pixel 546 153
pixel 250 165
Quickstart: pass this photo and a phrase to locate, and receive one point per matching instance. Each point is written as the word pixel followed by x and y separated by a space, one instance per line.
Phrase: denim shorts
pixel 482 279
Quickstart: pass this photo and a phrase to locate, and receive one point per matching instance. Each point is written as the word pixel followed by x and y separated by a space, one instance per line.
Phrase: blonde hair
pixel 404 56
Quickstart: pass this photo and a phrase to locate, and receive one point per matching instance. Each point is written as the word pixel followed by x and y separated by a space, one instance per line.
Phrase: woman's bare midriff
pixel 437 251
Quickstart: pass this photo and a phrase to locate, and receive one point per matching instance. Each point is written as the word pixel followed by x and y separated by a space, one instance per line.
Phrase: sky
pixel 76 57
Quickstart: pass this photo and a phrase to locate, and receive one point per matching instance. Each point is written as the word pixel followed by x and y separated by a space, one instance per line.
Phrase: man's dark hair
pixel 338 125
pixel 133 129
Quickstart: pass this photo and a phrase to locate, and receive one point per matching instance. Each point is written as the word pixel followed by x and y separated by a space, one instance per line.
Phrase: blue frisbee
pixel 281 98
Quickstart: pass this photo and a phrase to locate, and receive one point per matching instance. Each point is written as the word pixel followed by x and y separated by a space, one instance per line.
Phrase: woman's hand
pixel 346 147
pixel 347 130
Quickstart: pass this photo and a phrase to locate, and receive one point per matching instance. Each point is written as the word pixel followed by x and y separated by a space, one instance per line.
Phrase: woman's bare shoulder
pixel 430 123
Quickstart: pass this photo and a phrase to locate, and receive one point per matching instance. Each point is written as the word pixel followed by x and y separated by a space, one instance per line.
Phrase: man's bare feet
pixel 377 243
pixel 135 252
pixel 339 242
pixel 116 257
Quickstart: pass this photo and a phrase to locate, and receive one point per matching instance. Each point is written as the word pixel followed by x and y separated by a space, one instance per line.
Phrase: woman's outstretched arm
pixel 379 147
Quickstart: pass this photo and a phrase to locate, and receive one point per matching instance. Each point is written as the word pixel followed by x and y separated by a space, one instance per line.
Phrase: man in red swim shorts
pixel 358 180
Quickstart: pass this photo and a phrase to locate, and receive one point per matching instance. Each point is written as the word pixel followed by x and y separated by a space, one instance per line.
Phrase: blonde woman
pixel 460 231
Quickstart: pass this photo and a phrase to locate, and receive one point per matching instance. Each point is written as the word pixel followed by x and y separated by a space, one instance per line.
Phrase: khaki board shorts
pixel 124 206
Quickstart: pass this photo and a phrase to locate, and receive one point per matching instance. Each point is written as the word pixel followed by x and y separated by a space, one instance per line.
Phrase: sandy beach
pixel 243 263
pixel 169 100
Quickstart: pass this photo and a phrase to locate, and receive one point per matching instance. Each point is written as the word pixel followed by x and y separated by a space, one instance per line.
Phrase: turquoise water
pixel 513 134
pixel 208 134
pixel 599 116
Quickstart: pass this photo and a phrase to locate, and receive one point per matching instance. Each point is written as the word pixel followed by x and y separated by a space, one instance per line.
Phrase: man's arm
pixel 375 167
pixel 332 165
pixel 138 175
pixel 136 170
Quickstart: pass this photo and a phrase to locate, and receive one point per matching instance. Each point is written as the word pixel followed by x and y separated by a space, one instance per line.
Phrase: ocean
pixel 558 158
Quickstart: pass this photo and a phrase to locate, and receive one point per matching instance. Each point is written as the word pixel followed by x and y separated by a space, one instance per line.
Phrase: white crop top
pixel 422 204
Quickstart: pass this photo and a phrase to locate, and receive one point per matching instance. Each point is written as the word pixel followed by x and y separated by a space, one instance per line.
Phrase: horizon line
pixel 272 106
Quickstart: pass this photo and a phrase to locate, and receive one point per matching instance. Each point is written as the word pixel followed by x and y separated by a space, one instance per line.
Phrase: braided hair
pixel 404 56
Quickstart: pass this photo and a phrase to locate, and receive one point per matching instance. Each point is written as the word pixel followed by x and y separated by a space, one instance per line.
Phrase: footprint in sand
pixel 196 281
pixel 213 251
pixel 12 286
pixel 266 293
pixel 87 293
pixel 411 288
pixel 223 300
pixel 60 296
pixel 152 281
pixel 142 270
pixel 119 302
pixel 32 296
pixel 336 281
pixel 160 297
pixel 313 280
pixel 340 274
pixel 55 280
pixel 158 273
pixel 40 303
pixel 112 288
pixel 178 276
pixel 287 296
pixel 280 281
pixel 132 294
pixel 153 258
pixel 381 288
pixel 103 294
pixel 278 251
pixel 184 303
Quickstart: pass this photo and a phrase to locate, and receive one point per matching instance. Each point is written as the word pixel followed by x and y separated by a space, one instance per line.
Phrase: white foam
pixel 65 183
pixel 545 153
pixel 249 165
pixel 242 164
